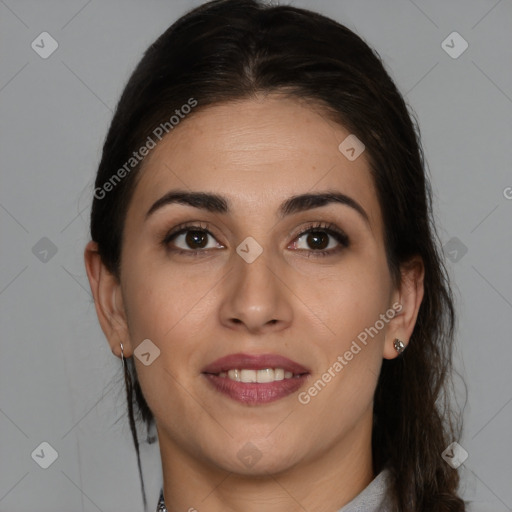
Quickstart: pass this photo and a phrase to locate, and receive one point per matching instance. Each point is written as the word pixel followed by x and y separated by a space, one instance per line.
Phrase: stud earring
pixel 399 345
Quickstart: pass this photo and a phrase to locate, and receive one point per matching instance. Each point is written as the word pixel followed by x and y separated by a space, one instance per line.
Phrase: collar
pixel 372 499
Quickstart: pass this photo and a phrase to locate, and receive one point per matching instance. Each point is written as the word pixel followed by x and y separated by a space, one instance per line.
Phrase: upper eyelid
pixel 182 228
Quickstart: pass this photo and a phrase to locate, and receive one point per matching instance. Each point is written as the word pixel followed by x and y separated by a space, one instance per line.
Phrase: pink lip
pixel 253 392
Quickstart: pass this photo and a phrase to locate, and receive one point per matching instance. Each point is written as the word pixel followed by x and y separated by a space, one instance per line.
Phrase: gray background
pixel 60 383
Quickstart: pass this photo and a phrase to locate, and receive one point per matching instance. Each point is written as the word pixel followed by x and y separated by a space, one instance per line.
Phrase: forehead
pixel 260 149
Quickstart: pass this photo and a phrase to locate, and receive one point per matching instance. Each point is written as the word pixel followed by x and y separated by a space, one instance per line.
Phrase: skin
pixel 257 153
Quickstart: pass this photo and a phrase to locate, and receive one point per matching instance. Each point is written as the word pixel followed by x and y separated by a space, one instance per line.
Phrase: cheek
pixel 349 302
pixel 162 297
pixel 167 305
pixel 342 388
pixel 349 296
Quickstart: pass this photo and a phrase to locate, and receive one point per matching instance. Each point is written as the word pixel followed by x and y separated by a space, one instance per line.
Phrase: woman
pixel 264 263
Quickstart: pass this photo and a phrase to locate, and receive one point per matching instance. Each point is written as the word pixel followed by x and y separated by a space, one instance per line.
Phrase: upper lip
pixel 254 362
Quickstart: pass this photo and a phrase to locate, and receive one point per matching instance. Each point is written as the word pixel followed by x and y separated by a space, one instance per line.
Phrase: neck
pixel 324 483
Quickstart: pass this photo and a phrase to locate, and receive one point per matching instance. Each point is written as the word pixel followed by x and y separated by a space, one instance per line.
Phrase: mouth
pixel 255 379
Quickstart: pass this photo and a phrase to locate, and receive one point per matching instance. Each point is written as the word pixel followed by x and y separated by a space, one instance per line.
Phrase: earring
pixel 399 345
pixel 122 354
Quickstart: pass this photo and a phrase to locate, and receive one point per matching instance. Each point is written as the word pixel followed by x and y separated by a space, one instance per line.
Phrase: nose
pixel 256 297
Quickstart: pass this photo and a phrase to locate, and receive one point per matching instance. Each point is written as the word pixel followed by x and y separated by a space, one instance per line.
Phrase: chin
pixel 256 457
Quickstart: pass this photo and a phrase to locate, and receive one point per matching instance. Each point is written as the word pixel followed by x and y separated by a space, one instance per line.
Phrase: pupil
pixel 313 240
pixel 196 238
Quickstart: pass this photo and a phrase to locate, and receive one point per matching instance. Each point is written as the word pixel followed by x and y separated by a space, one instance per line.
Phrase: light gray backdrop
pixel 59 382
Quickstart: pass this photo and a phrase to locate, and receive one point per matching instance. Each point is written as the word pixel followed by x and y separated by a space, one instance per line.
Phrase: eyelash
pixel 322 227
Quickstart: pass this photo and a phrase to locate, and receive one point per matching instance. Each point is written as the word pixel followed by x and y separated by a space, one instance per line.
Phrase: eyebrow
pixel 218 204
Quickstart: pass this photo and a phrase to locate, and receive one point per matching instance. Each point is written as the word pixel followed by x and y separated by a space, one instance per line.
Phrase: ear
pixel 108 300
pixel 409 295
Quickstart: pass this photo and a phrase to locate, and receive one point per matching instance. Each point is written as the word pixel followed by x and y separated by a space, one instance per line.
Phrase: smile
pixel 266 375
pixel 255 379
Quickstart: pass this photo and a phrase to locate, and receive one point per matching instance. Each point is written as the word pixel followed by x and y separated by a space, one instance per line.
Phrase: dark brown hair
pixel 228 50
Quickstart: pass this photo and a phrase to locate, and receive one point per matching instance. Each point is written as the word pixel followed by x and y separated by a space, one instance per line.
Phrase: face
pixel 260 281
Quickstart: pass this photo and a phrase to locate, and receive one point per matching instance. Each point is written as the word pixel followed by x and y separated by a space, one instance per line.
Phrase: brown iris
pixel 196 239
pixel 318 240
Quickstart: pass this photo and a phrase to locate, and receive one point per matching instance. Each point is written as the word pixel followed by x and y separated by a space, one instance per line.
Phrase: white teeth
pixel 265 375
pixel 234 375
pixel 248 375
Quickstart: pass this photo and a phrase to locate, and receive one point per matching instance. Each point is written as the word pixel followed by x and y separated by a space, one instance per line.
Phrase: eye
pixel 322 240
pixel 190 239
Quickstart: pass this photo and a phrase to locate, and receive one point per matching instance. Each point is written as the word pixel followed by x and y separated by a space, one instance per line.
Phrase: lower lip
pixel 253 392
